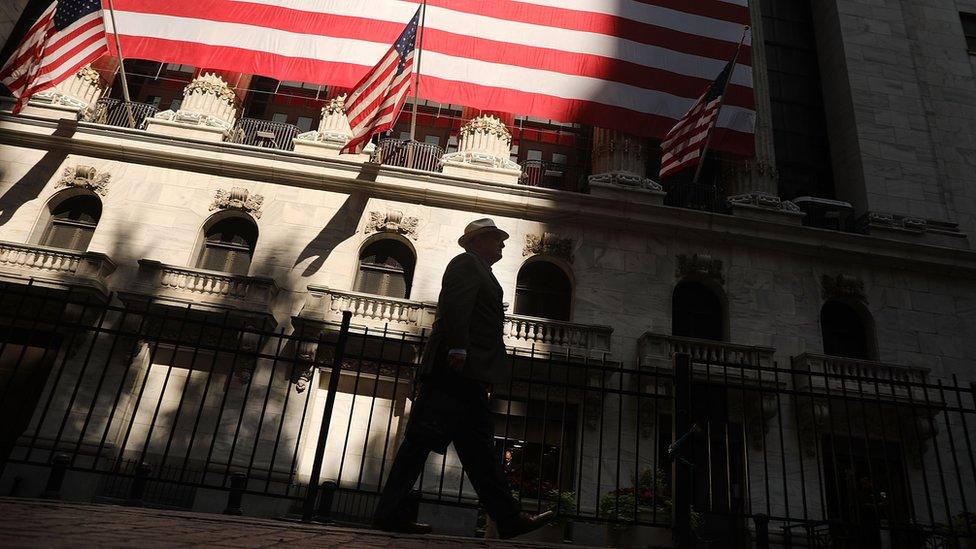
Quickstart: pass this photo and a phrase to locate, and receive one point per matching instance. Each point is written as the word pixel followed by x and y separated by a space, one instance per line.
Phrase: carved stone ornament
pixel 207 101
pixel 305 367
pixel 484 141
pixel 764 200
pixel 843 286
pixel 549 244
pixel 701 265
pixel 392 221
pixel 80 92
pixel 626 180
pixel 333 126
pixel 238 198
pixel 910 223
pixel 85 177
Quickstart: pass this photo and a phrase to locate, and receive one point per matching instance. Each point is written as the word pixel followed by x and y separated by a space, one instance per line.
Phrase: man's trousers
pixel 449 409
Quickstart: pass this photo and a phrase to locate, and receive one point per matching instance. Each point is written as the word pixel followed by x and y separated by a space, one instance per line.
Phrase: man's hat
pixel 479 227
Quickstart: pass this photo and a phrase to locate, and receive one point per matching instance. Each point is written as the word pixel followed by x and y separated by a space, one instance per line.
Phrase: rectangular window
pixel 304 123
pixel 559 158
pixel 533 154
pixel 175 104
pixel 432 140
pixel 279 117
pixel 969 30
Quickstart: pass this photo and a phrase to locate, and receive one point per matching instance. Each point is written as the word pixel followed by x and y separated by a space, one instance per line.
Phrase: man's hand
pixel 455 360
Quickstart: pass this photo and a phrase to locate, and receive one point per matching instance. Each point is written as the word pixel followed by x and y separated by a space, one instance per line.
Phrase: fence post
pixel 238 482
pixel 138 488
pixel 59 466
pixel 313 482
pixel 762 530
pixel 681 468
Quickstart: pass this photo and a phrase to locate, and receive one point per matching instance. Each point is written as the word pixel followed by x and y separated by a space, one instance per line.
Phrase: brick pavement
pixel 46 523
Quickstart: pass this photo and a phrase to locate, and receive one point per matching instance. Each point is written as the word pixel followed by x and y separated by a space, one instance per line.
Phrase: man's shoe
pixel 403 527
pixel 523 523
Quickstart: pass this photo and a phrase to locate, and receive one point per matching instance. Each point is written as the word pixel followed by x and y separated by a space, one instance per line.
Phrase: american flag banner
pixel 631 65
pixel 376 100
pixel 67 36
pixel 685 144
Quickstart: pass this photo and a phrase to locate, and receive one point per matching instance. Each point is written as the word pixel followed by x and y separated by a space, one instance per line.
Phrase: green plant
pixel 562 503
pixel 619 504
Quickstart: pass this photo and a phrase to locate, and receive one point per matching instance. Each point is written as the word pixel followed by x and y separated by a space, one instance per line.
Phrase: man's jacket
pixel 470 316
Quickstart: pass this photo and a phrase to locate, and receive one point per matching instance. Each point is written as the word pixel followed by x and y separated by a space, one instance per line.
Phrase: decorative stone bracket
pixel 392 221
pixel 549 244
pixel 768 201
pixel 484 150
pixel 700 265
pixel 238 198
pixel 208 102
pixel 619 161
pixel 84 177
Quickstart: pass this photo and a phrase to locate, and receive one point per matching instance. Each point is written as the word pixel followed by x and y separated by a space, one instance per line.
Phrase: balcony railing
pixel 526 330
pixel 550 175
pixel 696 196
pixel 659 346
pixel 265 133
pixel 409 154
pixel 380 312
pixel 115 113
pixel 209 288
pixel 838 375
pixel 55 265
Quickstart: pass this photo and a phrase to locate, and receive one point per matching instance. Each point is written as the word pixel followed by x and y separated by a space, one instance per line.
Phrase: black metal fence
pixel 265 133
pixel 116 112
pixel 141 401
pixel 409 154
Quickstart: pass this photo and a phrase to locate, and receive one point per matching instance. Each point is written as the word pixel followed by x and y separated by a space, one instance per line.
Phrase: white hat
pixel 479 227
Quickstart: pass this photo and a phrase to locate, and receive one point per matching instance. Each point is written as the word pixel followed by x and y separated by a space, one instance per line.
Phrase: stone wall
pixel 9 13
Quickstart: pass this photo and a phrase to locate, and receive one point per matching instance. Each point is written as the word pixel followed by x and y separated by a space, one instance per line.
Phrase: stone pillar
pixel 333 132
pixel 620 168
pixel 71 98
pixel 757 182
pixel 484 150
pixel 207 112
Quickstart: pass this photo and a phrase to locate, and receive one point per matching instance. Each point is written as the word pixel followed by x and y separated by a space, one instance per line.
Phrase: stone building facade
pixel 288 231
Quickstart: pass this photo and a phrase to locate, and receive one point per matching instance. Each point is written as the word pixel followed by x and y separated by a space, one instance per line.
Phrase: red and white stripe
pixel 377 99
pixel 684 144
pixel 632 65
pixel 47 56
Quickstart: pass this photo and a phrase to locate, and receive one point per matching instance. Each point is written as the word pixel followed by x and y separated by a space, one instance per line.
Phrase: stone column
pixel 757 182
pixel 620 168
pixel 333 132
pixel 484 150
pixel 207 112
pixel 72 98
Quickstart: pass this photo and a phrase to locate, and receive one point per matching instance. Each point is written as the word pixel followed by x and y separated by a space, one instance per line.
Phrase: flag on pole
pixel 377 99
pixel 685 144
pixel 68 35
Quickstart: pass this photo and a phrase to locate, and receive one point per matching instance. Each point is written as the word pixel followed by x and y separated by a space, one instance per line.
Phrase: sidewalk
pixel 49 523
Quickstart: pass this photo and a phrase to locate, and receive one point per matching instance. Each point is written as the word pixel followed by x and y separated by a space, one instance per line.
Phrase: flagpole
pixel 416 84
pixel 721 103
pixel 125 83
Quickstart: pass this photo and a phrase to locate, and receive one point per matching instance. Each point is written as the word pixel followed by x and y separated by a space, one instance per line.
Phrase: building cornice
pixel 458 193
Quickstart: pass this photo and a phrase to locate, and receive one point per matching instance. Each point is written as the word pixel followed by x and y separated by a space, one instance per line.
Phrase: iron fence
pixel 265 133
pixel 409 154
pixel 191 408
pixel 550 175
pixel 115 112
pixel 696 196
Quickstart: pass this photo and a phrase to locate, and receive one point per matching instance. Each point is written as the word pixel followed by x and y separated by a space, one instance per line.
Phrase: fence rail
pixel 265 133
pixel 177 405
pixel 115 112
pixel 409 154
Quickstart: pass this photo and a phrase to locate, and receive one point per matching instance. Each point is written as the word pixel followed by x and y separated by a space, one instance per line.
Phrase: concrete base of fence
pixel 448 520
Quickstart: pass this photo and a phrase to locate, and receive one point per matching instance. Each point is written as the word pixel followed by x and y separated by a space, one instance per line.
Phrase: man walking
pixel 464 356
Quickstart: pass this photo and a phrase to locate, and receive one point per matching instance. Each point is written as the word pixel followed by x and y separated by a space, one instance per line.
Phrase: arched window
pixel 72 223
pixel 696 311
pixel 386 268
pixel 845 331
pixel 543 290
pixel 228 245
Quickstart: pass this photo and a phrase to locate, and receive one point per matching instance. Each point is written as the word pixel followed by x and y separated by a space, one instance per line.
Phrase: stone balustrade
pixel 524 331
pixel 840 375
pixel 656 350
pixel 373 311
pixel 379 312
pixel 207 288
pixel 55 266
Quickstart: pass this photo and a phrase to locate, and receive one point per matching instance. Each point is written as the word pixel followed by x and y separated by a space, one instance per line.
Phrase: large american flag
pixel 67 36
pixel 685 144
pixel 376 100
pixel 630 65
